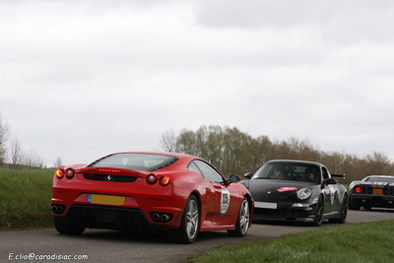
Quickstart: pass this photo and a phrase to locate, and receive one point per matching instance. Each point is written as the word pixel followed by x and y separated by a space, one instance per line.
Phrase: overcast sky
pixel 82 79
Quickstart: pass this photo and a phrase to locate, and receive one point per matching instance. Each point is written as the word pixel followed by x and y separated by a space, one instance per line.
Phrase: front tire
pixel 187 233
pixel 243 220
pixel 319 212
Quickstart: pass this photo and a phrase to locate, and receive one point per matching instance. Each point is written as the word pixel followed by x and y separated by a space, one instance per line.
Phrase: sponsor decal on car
pixel 224 201
pixel 286 189
pixel 332 194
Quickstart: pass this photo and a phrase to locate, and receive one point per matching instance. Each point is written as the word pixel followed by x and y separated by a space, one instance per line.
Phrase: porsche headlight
pixel 304 193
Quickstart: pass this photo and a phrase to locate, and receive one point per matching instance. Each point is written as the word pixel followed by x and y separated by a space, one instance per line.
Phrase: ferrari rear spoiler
pixel 339 175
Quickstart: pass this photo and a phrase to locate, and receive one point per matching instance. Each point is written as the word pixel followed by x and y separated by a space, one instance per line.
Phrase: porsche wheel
pixel 67 227
pixel 319 212
pixel 188 231
pixel 243 220
pixel 343 212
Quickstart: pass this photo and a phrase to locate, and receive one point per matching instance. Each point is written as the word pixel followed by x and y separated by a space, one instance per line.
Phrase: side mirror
pixel 233 179
pixel 248 175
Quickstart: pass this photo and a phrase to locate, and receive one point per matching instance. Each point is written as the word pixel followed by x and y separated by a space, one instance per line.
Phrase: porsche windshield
pixel 289 171
pixel 135 161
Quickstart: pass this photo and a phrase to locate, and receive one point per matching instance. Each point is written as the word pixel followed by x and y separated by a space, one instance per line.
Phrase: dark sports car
pixel 372 191
pixel 150 192
pixel 297 190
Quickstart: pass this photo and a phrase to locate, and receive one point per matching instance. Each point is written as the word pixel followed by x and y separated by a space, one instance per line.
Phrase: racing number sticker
pixel 224 201
pixel 332 194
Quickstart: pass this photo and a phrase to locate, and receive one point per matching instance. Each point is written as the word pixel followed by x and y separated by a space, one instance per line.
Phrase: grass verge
pixel 25 199
pixel 365 242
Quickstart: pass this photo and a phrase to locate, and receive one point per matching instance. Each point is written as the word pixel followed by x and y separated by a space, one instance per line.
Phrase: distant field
pixel 25 198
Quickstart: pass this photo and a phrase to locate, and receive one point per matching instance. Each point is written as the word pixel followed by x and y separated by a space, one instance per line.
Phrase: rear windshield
pixel 136 161
pixel 384 179
pixel 289 171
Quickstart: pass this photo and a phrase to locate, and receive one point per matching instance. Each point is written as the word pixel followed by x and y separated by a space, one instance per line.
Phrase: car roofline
pixel 295 161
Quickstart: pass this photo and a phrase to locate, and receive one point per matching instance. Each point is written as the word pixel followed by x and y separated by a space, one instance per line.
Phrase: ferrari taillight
pixel 151 178
pixel 59 173
pixel 358 190
pixel 70 173
pixel 165 180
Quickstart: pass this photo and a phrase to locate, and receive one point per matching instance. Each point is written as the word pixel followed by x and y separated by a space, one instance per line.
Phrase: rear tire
pixel 188 231
pixel 243 220
pixel 343 213
pixel 67 227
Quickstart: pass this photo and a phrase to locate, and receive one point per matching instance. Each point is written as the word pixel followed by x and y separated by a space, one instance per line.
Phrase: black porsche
pixel 372 191
pixel 293 190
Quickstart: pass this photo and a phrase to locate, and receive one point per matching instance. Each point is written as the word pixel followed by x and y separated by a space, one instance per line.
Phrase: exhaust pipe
pixel 155 217
pixel 164 217
pixel 58 209
pixel 161 217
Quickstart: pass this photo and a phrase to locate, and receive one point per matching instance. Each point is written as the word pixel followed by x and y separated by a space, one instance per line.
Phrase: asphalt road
pixel 114 246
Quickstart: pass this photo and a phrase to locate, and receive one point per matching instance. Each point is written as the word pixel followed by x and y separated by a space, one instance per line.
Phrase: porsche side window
pixel 325 174
pixel 209 173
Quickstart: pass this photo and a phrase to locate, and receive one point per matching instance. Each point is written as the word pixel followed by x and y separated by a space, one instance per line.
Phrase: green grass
pixel 25 198
pixel 362 243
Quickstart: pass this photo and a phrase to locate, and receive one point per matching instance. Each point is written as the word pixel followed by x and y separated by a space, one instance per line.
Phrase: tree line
pixel 11 152
pixel 234 151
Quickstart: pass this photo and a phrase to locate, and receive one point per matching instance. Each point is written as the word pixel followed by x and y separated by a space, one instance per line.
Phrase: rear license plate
pixel 106 199
pixel 377 191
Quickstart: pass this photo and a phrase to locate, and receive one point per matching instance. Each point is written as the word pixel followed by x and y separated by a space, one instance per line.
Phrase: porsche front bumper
pixel 301 212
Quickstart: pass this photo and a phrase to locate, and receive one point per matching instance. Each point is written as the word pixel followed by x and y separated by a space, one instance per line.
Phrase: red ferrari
pixel 150 192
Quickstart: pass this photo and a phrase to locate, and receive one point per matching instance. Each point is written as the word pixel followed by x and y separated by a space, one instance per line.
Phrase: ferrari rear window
pixel 136 161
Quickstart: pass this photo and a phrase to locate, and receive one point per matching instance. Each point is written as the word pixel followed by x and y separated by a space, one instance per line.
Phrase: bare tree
pixel 58 163
pixel 168 141
pixel 379 163
pixel 32 160
pixel 4 129
pixel 16 153
pixel 186 142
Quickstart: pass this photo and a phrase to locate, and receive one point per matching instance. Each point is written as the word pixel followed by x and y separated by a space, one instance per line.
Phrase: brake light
pixel 106 170
pixel 70 173
pixel 165 180
pixel 59 173
pixel 358 190
pixel 152 178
